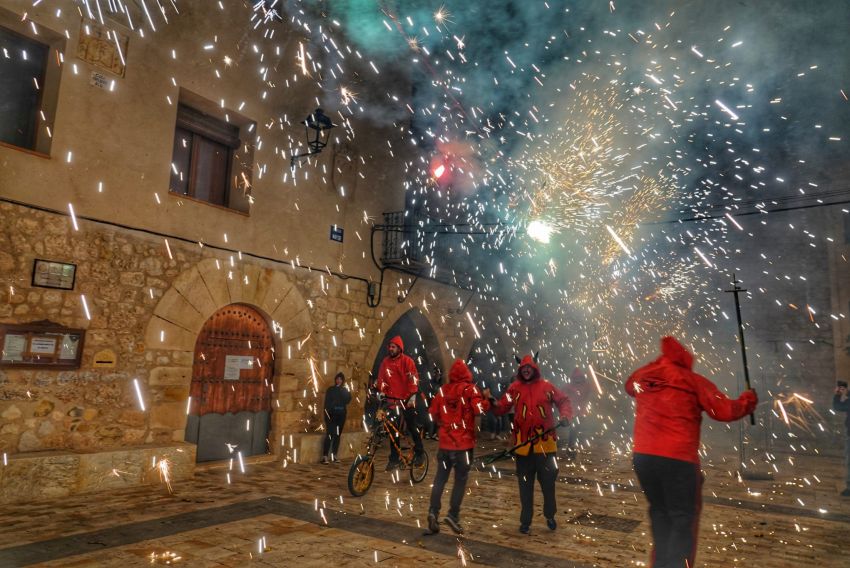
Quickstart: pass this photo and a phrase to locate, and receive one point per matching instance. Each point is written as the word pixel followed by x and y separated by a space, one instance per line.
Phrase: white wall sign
pixel 233 364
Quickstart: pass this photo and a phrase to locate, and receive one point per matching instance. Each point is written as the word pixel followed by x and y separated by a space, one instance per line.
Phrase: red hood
pixel 397 340
pixel 529 360
pixel 460 373
pixel 676 353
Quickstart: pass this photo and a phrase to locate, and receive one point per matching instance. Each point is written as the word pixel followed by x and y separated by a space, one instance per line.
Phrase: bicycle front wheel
pixel 361 475
pixel 418 472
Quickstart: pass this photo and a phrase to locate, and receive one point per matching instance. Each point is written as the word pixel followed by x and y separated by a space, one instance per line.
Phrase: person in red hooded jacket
pixel 670 400
pixel 454 408
pixel 399 379
pixel 532 397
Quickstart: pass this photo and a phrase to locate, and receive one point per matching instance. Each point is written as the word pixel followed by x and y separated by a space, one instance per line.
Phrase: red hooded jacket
pixel 670 401
pixel 398 378
pixel 455 406
pixel 533 414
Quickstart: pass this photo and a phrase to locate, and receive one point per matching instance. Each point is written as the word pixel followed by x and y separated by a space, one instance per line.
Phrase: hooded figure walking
pixel 454 407
pixel 337 398
pixel 399 379
pixel 532 397
pixel 670 401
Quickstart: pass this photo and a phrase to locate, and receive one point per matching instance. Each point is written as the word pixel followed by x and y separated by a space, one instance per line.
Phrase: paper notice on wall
pixel 69 346
pixel 233 364
pixel 43 345
pixel 13 347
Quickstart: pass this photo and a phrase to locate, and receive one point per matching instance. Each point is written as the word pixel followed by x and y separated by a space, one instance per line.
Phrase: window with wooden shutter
pixel 202 156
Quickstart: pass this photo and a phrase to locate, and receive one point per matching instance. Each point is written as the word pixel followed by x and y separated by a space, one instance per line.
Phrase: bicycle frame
pixel 362 471
pixel 387 428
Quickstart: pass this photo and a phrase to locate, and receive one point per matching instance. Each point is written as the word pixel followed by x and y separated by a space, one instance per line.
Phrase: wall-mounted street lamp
pixel 320 125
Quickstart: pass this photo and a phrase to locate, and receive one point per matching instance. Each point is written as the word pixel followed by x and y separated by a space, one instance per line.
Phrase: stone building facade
pixel 153 265
pixel 147 307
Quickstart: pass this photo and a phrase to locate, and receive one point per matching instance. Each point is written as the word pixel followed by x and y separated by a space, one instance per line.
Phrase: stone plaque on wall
pixel 102 47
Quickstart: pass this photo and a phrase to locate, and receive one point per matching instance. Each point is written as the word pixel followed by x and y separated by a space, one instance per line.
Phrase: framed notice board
pixel 41 344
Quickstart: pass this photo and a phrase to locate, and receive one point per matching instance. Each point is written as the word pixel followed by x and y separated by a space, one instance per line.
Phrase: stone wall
pixel 147 304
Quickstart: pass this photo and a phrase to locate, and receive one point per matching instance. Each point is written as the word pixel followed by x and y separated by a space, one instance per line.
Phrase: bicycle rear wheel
pixel 418 473
pixel 361 475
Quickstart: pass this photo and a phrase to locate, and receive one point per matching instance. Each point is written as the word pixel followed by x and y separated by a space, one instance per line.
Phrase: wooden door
pixel 231 389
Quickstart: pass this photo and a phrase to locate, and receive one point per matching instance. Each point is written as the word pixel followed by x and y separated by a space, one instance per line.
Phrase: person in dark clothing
pixel 532 398
pixel 841 403
pixel 337 398
pixel 670 399
pixel 454 408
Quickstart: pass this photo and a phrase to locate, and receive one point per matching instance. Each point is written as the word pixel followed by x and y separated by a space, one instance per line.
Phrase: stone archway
pixel 420 338
pixel 194 297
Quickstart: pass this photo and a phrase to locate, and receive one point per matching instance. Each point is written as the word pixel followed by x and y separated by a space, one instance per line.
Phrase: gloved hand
pixel 563 422
pixel 750 400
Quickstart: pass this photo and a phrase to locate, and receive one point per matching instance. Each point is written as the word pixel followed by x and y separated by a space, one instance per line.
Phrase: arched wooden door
pixel 231 387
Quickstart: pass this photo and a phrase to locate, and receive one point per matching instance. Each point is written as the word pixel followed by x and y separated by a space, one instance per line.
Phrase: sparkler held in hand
pixel 736 290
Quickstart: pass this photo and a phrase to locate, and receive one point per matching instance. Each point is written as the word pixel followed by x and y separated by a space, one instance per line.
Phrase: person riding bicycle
pixel 399 380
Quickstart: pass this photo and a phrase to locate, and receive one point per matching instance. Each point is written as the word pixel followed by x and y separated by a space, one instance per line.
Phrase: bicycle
pixel 362 471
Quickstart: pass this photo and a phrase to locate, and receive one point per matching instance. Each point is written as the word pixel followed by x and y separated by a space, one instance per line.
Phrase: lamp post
pixel 320 125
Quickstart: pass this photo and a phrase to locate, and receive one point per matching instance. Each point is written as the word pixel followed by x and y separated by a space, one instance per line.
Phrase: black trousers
pixel 333 423
pixel 460 461
pixel 674 491
pixel 545 469
pixel 409 422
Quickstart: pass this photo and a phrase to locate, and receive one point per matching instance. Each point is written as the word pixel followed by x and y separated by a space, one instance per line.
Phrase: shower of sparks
pixel 618 240
pixel 619 147
pixel 164 468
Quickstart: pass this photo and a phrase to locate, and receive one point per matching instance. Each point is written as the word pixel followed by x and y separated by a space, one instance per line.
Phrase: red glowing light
pixel 439 171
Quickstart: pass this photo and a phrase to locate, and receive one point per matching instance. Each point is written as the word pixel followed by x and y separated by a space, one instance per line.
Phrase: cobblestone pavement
pixel 302 515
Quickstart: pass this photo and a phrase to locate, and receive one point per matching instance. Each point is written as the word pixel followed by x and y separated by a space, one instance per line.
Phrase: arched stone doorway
pixel 231 388
pixel 422 344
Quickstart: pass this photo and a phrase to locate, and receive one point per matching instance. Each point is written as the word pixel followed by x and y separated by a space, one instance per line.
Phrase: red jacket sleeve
pixel 412 376
pixel 381 383
pixel 720 407
pixel 480 405
pixel 562 401
pixel 504 404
